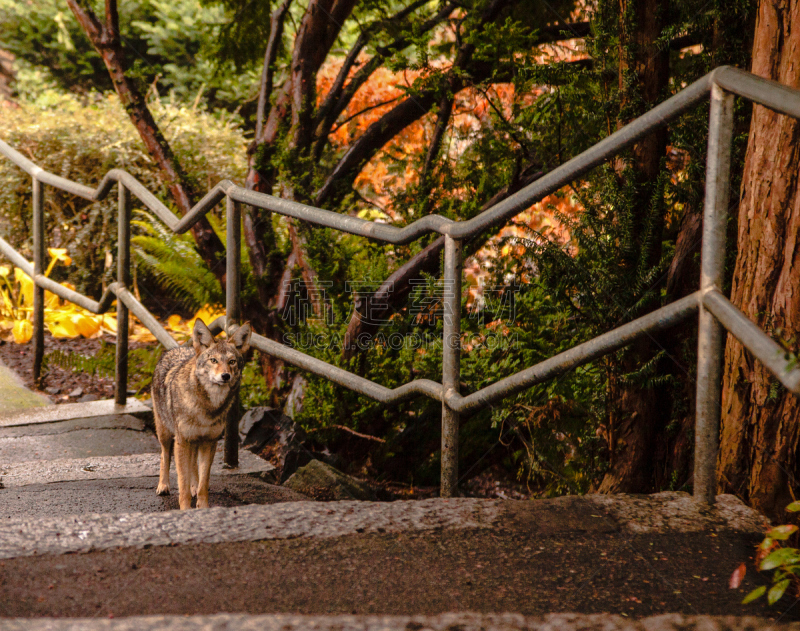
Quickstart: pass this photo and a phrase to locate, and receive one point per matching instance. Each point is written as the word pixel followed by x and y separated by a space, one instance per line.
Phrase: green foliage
pixel 174 45
pixel 173 263
pixel 83 142
pixel 784 562
pixel 612 270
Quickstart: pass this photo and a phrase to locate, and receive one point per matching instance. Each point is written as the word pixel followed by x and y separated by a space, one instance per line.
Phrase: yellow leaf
pixel 25 287
pixel 85 325
pixel 207 314
pixel 60 254
pixel 141 334
pixel 5 270
pixel 174 323
pixel 8 305
pixel 51 301
pixel 22 331
pixel 63 327
pixel 110 322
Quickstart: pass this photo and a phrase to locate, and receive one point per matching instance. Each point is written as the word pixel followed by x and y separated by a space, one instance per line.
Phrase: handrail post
pixel 233 313
pixel 710 334
pixel 451 370
pixel 38 268
pixel 123 280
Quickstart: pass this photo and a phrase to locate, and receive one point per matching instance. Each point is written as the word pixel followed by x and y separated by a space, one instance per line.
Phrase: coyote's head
pixel 220 363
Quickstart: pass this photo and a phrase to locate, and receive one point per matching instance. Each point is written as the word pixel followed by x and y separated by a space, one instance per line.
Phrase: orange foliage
pixel 472 110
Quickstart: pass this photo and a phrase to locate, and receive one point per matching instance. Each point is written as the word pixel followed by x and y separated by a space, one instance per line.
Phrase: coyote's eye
pixel 213 361
pixel 232 362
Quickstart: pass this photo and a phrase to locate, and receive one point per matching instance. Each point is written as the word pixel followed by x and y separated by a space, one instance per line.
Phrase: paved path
pixel 86 544
pixel 59 460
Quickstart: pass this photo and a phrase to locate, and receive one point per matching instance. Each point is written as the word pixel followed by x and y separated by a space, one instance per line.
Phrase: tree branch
pixel 364 111
pixel 397 119
pixel 339 97
pixel 275 35
pixel 318 31
pixel 372 140
pixel 106 41
pixel 442 120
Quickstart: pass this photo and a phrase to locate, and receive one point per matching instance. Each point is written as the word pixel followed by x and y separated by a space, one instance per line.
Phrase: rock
pixel 323 482
pixel 76 393
pixel 257 426
pixel 52 390
pixel 263 426
pixel 87 398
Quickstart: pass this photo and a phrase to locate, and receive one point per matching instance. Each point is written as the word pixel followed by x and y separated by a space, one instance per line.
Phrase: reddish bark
pixel 275 34
pixel 7 75
pixel 759 437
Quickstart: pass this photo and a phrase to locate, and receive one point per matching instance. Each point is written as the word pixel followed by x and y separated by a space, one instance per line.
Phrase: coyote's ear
pixel 201 337
pixel 241 338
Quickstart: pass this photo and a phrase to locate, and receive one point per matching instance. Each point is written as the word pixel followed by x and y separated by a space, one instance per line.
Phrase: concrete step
pixel 111 466
pixel 53 413
pixel 96 457
pixel 112 435
pixel 357 563
pixel 114 468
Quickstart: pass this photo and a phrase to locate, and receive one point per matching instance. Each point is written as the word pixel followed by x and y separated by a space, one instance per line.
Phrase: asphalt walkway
pixel 86 544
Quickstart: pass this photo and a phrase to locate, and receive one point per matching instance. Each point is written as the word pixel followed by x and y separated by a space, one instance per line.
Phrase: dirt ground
pixel 61 384
pixel 406 573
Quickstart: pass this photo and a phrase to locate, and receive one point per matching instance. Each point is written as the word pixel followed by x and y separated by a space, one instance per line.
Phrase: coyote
pixel 193 390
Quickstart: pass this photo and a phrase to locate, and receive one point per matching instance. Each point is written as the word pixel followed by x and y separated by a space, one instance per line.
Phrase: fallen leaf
pixel 22 331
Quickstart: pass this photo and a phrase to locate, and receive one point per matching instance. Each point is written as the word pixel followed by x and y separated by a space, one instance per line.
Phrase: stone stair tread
pixel 67 411
pixel 112 467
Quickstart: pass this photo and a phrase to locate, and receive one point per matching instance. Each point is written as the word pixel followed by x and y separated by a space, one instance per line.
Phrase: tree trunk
pixel 643 76
pixel 7 75
pixel 759 418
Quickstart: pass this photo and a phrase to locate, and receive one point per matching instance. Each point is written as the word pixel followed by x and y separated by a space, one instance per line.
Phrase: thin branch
pixel 397 119
pixel 344 428
pixel 371 141
pixel 339 98
pixel 442 120
pixel 352 57
pixel 522 145
pixel 360 112
pixel 277 20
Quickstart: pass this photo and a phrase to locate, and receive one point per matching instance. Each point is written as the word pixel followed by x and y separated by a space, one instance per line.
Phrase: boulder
pixel 322 482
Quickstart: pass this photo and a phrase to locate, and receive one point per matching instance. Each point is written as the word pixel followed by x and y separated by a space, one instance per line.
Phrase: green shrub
pixel 82 142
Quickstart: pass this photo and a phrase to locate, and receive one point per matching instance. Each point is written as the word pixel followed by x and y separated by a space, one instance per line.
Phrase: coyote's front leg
pixel 205 456
pixel 183 460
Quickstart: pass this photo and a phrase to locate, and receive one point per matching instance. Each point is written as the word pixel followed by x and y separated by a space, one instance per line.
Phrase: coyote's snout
pixel 193 390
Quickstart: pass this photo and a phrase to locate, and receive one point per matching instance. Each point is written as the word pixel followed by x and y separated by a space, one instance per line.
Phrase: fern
pixel 173 263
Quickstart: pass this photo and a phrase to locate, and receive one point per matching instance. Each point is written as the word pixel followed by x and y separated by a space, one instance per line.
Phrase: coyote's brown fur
pixel 193 390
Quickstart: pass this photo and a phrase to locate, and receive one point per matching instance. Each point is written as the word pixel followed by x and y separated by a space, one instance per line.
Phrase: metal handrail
pixel 716 313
